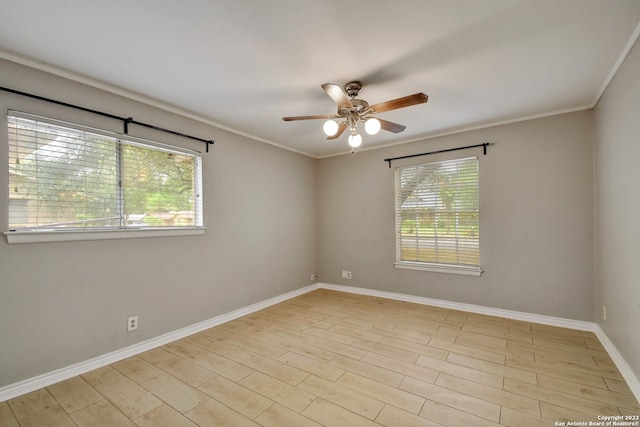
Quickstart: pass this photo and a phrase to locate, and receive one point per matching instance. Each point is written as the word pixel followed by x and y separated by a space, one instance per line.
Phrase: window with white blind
pixel 437 224
pixel 67 180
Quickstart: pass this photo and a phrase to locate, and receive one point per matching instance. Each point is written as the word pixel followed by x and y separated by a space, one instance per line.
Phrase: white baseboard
pixel 626 371
pixel 17 389
pixel 26 386
pixel 479 309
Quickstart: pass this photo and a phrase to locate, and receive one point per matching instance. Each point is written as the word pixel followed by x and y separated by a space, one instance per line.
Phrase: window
pixel 437 225
pixel 66 178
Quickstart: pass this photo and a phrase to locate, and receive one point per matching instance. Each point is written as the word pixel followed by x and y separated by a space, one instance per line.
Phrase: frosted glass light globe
pixel 355 140
pixel 330 127
pixel 372 126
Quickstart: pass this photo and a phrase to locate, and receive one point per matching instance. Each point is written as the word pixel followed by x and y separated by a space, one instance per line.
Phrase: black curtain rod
pixel 483 145
pixel 126 121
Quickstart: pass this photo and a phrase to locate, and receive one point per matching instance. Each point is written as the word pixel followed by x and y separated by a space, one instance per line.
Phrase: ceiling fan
pixel 352 111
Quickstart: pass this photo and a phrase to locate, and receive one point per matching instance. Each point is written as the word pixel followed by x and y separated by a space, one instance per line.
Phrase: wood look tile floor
pixel 329 358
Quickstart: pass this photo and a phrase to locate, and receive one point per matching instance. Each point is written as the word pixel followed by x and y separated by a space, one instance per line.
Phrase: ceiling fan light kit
pixel 355 139
pixel 330 127
pixel 372 126
pixel 352 111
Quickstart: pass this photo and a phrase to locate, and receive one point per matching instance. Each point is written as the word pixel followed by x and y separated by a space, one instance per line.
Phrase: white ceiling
pixel 245 64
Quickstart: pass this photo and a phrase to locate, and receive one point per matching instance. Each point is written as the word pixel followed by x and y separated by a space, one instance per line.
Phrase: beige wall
pixel 536 219
pixel 62 303
pixel 617 171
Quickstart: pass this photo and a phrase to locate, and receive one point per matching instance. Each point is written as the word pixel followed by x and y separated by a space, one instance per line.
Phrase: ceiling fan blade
pixel 406 101
pixel 320 116
pixel 391 126
pixel 341 128
pixel 337 94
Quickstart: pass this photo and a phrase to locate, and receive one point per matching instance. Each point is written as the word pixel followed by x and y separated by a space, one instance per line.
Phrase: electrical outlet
pixel 346 274
pixel 604 313
pixel 314 277
pixel 132 323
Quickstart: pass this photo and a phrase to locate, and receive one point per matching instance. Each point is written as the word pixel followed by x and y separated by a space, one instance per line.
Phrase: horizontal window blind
pixel 437 213
pixel 63 176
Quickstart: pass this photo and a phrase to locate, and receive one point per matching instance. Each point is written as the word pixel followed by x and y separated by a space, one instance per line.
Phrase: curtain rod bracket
pixel 126 124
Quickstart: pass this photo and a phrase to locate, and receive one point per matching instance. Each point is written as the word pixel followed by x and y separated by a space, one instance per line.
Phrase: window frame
pixel 36 235
pixel 438 267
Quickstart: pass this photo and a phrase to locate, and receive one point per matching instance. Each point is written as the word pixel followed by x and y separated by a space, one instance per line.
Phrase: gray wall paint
pixel 617 153
pixel 62 303
pixel 536 219
pixel 274 217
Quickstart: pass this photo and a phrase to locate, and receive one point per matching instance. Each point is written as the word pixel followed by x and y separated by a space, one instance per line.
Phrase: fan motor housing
pixel 353 89
pixel 358 107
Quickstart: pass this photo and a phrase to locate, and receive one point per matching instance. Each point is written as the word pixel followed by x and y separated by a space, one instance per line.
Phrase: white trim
pixel 61 235
pixel 458 130
pixel 614 70
pixel 626 371
pixel 471 308
pixel 618 360
pixel 442 268
pixel 26 386
pixel 98 84
pixel 462 129
pixel 80 78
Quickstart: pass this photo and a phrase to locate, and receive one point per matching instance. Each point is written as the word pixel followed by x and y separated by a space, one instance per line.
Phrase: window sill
pixel 440 268
pixel 44 236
